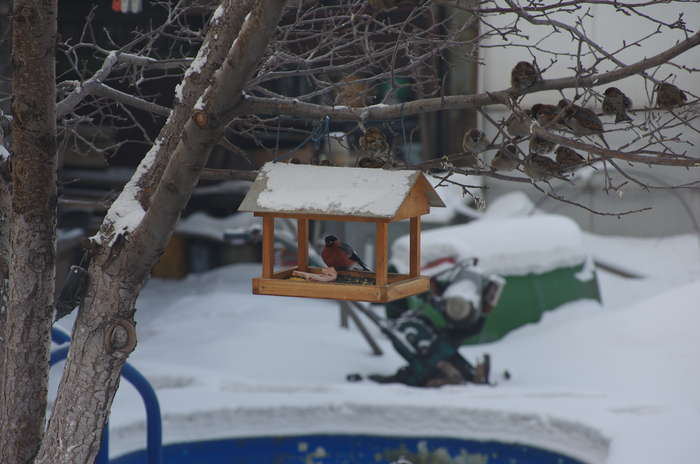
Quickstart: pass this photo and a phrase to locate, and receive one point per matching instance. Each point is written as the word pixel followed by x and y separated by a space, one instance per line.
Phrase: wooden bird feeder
pixel 305 192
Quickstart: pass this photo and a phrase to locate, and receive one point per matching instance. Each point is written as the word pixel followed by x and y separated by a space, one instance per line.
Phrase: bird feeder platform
pixel 397 286
pixel 305 193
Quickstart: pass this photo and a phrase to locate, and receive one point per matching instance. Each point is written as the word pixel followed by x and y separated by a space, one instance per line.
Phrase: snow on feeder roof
pixel 508 246
pixel 325 190
pixel 306 193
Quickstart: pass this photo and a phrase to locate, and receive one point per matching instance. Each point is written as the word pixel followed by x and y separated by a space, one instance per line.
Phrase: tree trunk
pixel 5 206
pixel 32 231
pixel 104 335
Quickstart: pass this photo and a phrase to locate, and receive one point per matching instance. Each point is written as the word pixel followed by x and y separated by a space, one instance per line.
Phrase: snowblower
pixel 428 329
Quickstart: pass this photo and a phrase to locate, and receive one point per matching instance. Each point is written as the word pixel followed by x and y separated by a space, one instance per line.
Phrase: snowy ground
pixel 616 384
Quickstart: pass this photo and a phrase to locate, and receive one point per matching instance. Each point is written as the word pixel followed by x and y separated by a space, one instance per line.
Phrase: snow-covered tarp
pixel 306 189
pixel 509 246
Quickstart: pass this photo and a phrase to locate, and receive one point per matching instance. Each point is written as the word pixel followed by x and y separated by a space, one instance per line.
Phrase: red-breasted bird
pixel 524 75
pixel 340 255
pixel 668 96
pixel 617 103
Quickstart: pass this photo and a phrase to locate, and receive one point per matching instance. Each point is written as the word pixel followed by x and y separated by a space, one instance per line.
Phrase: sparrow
pixel 617 103
pixel 340 255
pixel 540 146
pixel 518 124
pixel 524 75
pixel 474 141
pixel 353 92
pixel 668 96
pixel 539 167
pixel 506 159
pixel 374 142
pixel 568 159
pixel 381 5
pixel 582 121
pixel 545 116
pixel 466 160
pixel 370 162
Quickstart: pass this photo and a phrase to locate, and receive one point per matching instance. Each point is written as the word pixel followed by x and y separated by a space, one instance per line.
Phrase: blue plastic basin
pixel 349 449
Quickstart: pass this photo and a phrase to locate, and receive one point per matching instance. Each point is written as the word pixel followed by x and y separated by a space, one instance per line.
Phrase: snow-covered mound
pixel 613 386
pixel 509 246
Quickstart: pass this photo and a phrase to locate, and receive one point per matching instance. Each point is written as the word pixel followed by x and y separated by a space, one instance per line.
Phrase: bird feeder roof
pixel 339 191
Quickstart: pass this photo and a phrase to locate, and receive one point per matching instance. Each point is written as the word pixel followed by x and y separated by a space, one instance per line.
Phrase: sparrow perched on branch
pixel 539 167
pixel 506 159
pixel 474 141
pixel 668 96
pixel 582 121
pixel 374 142
pixel 518 124
pixel 381 5
pixel 617 103
pixel 568 159
pixel 524 75
pixel 545 115
pixel 340 255
pixel 540 145
pixel 465 160
pixel 370 162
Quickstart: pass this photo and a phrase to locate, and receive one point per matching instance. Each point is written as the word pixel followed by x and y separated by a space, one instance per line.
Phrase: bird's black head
pixel 330 239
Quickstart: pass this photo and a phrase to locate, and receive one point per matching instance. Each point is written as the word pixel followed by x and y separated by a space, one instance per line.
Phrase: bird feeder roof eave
pixel 350 194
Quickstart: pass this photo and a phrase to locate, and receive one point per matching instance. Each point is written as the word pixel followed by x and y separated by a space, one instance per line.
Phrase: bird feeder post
pixel 303 244
pixel 414 266
pixel 268 246
pixel 381 255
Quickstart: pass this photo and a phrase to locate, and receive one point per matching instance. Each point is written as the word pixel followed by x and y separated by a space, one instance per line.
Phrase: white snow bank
pixel 629 372
pixel 510 246
pixel 227 363
pixel 330 190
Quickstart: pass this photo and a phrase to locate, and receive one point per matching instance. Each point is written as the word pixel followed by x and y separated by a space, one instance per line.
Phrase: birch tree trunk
pixel 124 253
pixel 32 231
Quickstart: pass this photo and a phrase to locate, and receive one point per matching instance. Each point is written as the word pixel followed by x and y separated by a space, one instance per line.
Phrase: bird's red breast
pixel 336 257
